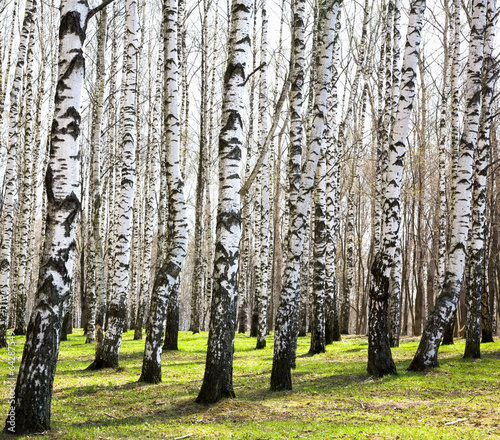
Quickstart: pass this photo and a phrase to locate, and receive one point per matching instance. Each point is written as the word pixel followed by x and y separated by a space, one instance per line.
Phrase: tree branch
pixel 255 71
pixel 277 112
pixel 98 8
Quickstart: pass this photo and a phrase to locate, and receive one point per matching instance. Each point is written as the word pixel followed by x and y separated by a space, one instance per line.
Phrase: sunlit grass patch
pixel 333 396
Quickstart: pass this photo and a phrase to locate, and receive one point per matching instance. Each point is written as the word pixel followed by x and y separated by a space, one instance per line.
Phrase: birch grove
pixel 301 173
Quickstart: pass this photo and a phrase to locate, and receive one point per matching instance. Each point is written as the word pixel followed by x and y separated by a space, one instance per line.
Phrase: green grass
pixel 333 397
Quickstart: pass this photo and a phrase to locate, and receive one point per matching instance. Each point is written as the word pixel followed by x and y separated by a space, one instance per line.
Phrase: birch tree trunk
pixel 263 292
pixel 96 248
pixel 25 183
pixel 167 276
pixel 33 393
pixel 380 360
pixel 10 194
pixel 318 341
pixel 285 338
pixel 476 251
pixel 332 327
pixel 446 303
pixel 196 293
pixel 116 310
pixel 296 99
pixel 218 378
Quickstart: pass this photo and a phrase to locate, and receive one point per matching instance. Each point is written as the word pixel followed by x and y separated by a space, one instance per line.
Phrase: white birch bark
pixel 285 338
pixel 116 308
pixel 95 249
pixel 25 183
pixel 296 99
pixel 476 250
pixel 332 328
pixel 218 380
pixel 318 342
pixel 10 192
pixel 446 303
pixel 36 374
pixel 380 360
pixel 263 292
pixel 166 278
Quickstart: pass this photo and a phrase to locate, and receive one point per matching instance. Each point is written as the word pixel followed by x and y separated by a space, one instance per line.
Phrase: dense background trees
pixel 401 213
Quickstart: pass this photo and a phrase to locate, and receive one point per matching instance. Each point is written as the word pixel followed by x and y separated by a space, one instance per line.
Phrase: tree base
pixel 418 364
pixel 215 388
pixel 150 378
pixel 380 363
pixel 27 425
pixel 487 336
pixel 100 364
pixel 137 335
pixel 316 350
pixel 261 343
pixel 205 398
pixel 281 376
pixel 19 331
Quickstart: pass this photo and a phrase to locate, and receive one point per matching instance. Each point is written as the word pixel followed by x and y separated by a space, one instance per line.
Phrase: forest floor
pixel 333 396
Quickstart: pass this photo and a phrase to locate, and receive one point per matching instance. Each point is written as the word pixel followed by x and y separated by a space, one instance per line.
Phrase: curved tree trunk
pixel 446 303
pixel 33 393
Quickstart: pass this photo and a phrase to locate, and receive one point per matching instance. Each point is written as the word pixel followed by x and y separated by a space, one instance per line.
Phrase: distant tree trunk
pixel 380 360
pixel 446 303
pixel 218 378
pixel 96 248
pixel 196 293
pixel 166 282
pixel 263 292
pixel 395 300
pixel 304 279
pixel 25 183
pixel 117 309
pixel 33 393
pixel 318 342
pixel 332 328
pixel 11 191
pixel 348 278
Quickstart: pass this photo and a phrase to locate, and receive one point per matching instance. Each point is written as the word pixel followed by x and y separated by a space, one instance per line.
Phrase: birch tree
pixel 11 188
pixel 218 380
pixel 446 303
pixel 166 279
pixel 318 341
pixel 285 338
pixel 116 308
pixel 380 360
pixel 262 295
pixel 33 393
pixel 477 246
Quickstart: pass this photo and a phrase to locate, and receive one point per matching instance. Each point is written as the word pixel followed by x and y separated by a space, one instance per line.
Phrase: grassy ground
pixel 333 396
